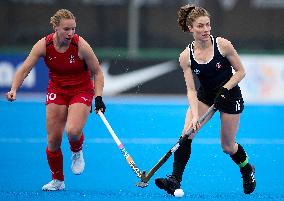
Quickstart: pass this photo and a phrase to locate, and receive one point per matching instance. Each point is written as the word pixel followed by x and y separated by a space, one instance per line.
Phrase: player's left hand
pixel 99 104
pixel 194 124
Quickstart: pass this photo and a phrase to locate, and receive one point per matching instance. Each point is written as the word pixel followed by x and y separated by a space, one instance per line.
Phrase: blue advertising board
pixel 36 80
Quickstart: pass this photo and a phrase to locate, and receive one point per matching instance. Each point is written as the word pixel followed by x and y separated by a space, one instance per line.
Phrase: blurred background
pixel 138 42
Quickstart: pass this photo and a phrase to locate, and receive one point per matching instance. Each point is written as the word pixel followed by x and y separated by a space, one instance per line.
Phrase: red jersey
pixel 67 72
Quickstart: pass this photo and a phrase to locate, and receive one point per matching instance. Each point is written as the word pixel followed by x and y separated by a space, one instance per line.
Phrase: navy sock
pixel 240 157
pixel 181 157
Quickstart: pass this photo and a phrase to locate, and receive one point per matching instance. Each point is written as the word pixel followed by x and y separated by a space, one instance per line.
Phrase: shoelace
pixel 173 182
pixel 76 156
pixel 53 182
pixel 170 176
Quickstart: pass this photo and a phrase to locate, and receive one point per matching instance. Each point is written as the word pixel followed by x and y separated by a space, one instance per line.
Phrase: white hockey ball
pixel 179 193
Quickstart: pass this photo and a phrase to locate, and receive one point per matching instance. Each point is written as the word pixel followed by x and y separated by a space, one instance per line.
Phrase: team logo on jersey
pixel 218 65
pixel 50 58
pixel 85 99
pixel 196 71
pixel 71 59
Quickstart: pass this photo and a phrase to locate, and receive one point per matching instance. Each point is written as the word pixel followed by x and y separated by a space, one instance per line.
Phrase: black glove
pixel 220 97
pixel 99 104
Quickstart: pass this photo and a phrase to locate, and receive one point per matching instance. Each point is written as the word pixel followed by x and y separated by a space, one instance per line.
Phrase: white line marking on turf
pixel 170 141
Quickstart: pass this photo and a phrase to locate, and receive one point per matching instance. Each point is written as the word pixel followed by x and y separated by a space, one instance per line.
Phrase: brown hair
pixel 187 14
pixel 61 14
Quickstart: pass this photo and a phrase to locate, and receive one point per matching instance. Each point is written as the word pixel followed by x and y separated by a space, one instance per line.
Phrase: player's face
pixel 201 28
pixel 66 30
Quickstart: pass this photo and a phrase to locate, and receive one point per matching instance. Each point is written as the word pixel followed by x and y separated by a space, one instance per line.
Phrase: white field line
pixel 170 141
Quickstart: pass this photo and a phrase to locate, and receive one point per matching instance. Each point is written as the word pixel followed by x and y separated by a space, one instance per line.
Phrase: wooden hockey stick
pixel 146 177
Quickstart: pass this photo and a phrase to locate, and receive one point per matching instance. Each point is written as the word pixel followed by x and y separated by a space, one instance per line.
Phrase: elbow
pixel 243 74
pixel 191 92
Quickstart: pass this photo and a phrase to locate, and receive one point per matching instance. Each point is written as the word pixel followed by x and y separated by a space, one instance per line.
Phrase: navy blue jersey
pixel 215 73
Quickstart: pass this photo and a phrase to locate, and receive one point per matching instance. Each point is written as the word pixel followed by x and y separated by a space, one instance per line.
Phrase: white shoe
pixel 78 163
pixel 54 185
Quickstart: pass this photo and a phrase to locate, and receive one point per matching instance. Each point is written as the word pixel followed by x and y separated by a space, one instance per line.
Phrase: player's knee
pixel 73 132
pixel 54 144
pixel 228 149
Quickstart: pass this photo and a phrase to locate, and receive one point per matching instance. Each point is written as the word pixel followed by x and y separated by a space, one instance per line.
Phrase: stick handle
pixel 124 152
pixel 117 141
pixel 210 111
pixel 202 118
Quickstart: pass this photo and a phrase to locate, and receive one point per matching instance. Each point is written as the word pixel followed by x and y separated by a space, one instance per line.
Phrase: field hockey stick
pixel 146 177
pixel 124 152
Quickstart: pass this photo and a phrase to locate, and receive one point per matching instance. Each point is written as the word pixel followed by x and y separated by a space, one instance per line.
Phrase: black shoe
pixel 169 184
pixel 249 182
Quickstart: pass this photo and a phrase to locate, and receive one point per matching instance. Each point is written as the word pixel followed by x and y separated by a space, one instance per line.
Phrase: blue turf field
pixel 148 129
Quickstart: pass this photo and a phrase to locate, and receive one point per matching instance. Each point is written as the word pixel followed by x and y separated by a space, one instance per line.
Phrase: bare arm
pixel 86 53
pixel 191 91
pixel 228 50
pixel 23 71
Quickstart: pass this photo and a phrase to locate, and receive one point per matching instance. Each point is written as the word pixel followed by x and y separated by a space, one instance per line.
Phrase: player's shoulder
pixel 184 55
pixel 41 43
pixel 39 48
pixel 82 42
pixel 84 47
pixel 223 42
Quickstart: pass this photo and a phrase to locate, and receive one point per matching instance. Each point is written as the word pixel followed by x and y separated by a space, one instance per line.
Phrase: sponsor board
pixel 36 81
pixel 121 76
pixel 264 81
pixel 263 84
pixel 142 77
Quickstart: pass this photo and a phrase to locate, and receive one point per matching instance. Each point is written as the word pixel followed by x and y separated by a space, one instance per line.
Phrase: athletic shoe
pixel 249 182
pixel 54 185
pixel 169 184
pixel 78 163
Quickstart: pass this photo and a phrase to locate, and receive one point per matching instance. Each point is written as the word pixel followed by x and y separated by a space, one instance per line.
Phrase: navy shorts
pixel 234 103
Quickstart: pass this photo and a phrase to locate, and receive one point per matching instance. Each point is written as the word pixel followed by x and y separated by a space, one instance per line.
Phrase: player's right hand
pixel 221 97
pixel 194 124
pixel 191 124
pixel 11 96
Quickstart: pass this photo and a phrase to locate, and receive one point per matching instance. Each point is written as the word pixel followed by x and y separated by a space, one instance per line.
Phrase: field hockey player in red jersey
pixel 75 77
